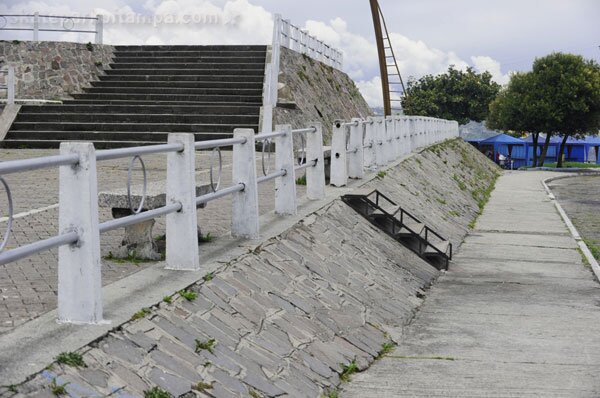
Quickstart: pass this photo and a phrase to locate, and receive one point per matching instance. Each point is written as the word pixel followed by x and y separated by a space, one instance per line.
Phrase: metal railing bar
pixel 63 16
pixel 66 30
pixel 219 194
pixel 306 165
pixel 138 218
pixel 109 154
pixel 15 166
pixel 306 130
pixel 17 15
pixel 271 176
pixel 219 143
pixel 266 136
pixel 38 247
pixel 30 29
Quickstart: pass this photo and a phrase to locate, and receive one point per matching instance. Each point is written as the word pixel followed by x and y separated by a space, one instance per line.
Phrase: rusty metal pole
pixel 387 105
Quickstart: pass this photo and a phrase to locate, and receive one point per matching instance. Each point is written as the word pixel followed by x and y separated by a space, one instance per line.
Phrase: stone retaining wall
pixel 312 91
pixel 52 70
pixel 291 317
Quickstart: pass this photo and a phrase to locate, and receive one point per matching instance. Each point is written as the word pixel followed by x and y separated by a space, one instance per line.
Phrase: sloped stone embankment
pixel 296 315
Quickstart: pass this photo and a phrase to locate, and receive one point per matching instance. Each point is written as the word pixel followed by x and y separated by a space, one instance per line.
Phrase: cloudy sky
pixel 428 35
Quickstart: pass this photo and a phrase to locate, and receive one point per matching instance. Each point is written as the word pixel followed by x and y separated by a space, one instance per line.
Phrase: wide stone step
pixel 174 91
pixel 145 136
pixel 134 102
pixel 133 127
pixel 185 78
pixel 190 60
pixel 190 53
pixel 205 71
pixel 205 109
pixel 137 118
pixel 189 66
pixel 171 97
pixel 180 84
pixel 191 48
pixel 98 144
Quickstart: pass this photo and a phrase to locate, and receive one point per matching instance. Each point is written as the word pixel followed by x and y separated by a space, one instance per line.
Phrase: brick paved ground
pixel 28 287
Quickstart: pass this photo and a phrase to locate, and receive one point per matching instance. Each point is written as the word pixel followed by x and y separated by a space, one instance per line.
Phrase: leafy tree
pixel 561 95
pixel 571 86
pixel 456 95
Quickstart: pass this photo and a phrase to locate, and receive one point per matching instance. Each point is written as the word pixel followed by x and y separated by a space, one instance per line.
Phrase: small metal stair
pixel 401 225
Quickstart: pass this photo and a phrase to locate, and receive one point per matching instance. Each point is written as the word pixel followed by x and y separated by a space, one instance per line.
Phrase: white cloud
pixel 242 22
pixel 484 63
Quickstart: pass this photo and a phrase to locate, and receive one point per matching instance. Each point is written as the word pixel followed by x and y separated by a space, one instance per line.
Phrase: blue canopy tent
pixel 552 149
pixel 514 148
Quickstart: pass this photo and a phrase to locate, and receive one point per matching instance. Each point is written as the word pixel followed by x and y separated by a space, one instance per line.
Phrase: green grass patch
pixel 207 345
pixel 461 185
pixel 574 165
pixel 58 389
pixel 188 295
pixel 381 175
pixel 386 348
pixel 430 358
pixel 331 394
pixel 440 201
pixel 208 277
pixel 205 238
pixel 156 392
pixel 130 259
pixel 254 394
pixel 584 259
pixel 168 299
pixel 141 314
pixel 201 386
pixel 594 248
pixel 348 370
pixel 453 213
pixel 301 180
pixel 73 359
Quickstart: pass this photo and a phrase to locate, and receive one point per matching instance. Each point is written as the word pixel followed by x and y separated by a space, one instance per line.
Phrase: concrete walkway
pixel 517 315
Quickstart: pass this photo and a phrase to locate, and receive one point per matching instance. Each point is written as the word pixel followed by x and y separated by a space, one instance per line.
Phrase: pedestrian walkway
pixel 517 315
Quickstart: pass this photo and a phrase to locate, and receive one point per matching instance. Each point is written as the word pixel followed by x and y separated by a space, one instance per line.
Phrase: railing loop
pixel 68 23
pixel 129 173
pixel 10 215
pixel 266 146
pixel 214 187
pixel 302 160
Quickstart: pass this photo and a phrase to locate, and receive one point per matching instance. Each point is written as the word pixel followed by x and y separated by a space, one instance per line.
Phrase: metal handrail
pixel 21 165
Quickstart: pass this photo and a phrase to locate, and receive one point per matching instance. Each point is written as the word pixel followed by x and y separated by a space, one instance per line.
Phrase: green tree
pixel 571 86
pixel 456 95
pixel 560 96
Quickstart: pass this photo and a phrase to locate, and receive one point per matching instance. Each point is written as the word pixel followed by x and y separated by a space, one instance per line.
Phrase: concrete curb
pixel 584 248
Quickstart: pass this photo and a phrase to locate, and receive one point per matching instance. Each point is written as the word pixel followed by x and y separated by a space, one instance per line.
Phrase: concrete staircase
pixel 150 91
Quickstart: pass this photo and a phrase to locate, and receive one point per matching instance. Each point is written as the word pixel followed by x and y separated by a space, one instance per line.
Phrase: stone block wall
pixel 52 70
pixel 291 317
pixel 312 91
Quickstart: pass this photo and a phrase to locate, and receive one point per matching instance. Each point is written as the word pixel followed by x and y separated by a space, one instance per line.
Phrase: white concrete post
pixel 369 143
pixel 36 26
pixel 388 150
pixel 315 176
pixel 79 268
pixel 405 135
pixel 285 186
pixel 339 171
pixel 10 85
pixel 380 141
pixel 99 29
pixel 244 206
pixel 303 38
pixel 355 156
pixel 396 144
pixel 182 227
pixel 413 133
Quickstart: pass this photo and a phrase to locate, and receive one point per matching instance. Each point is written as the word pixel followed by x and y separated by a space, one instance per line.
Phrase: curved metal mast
pixel 391 81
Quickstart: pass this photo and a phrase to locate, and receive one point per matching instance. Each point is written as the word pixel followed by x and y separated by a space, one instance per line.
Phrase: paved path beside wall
pixel 517 315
